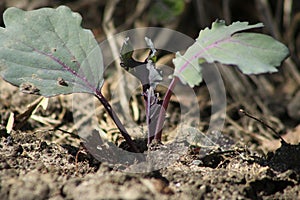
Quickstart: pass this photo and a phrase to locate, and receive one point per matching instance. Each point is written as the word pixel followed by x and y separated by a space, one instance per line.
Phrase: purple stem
pixel 117 121
pixel 148 104
pixel 147 110
pixel 162 112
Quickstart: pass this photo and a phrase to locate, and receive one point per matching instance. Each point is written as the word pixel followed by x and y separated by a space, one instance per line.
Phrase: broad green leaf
pixel 47 52
pixel 252 53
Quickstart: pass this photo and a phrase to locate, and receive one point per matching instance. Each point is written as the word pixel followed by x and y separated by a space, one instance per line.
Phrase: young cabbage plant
pixel 47 52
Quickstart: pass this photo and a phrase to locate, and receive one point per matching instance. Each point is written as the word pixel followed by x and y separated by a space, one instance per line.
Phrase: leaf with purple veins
pixel 252 53
pixel 49 52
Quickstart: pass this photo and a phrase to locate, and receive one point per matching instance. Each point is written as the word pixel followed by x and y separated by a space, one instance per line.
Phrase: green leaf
pixel 47 52
pixel 252 53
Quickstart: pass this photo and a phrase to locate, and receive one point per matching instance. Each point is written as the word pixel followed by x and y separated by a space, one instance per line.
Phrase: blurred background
pixel 273 97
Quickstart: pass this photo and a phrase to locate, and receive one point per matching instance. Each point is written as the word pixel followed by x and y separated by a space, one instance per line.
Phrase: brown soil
pixel 42 164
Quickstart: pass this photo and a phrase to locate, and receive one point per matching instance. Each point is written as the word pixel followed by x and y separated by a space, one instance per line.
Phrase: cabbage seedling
pixel 47 52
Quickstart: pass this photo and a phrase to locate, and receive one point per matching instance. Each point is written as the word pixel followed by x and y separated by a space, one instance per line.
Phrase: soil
pixel 38 163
